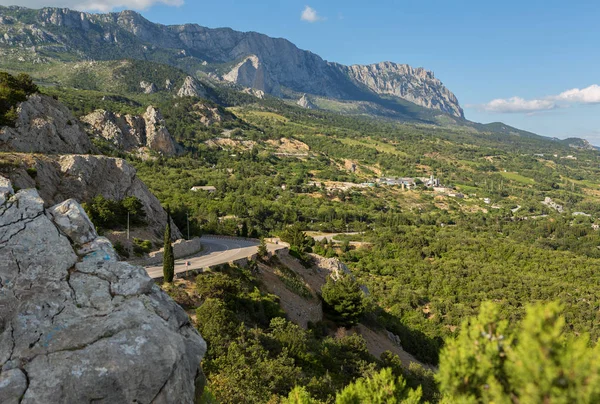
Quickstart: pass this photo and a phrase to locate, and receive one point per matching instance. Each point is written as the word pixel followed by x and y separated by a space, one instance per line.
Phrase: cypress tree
pixel 168 258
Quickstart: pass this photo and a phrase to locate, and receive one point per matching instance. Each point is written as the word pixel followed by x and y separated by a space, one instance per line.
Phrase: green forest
pixel 491 287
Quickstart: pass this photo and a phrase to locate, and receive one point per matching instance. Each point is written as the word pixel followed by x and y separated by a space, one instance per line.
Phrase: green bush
pixel 141 247
pixel 13 90
pixel 109 214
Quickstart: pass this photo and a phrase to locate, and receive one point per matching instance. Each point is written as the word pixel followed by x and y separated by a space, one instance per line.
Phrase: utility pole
pixel 127 225
pixel 188 223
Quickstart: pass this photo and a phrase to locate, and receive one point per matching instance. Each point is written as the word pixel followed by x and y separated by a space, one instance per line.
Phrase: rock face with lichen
pixel 132 132
pixel 76 325
pixel 44 125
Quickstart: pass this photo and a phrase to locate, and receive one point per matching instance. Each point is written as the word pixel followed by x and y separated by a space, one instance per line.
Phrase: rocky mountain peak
pixel 416 85
pixel 191 88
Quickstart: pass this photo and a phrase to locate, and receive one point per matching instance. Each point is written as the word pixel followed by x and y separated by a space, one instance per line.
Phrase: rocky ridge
pixel 416 85
pixel 250 59
pixel 61 170
pixel 44 125
pixel 191 88
pixel 131 132
pixel 76 325
pixel 82 177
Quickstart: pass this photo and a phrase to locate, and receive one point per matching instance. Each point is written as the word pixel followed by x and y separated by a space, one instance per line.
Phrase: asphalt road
pixel 215 251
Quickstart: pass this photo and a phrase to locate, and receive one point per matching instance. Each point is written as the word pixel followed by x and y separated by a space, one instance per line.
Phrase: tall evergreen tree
pixel 343 300
pixel 168 257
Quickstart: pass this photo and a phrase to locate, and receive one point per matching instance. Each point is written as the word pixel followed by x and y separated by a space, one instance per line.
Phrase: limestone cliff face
pixel 131 132
pixel 418 85
pixel 82 177
pixel 44 125
pixel 191 88
pixel 250 59
pixel 305 102
pixel 78 326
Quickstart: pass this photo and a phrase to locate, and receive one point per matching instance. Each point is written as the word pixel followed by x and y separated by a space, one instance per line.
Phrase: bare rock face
pixel 125 132
pixel 416 85
pixel 191 88
pixel 260 94
pixel 148 88
pixel 46 126
pixel 209 115
pixel 305 102
pixel 168 84
pixel 130 132
pixel 83 327
pixel 158 137
pixel 251 73
pixel 82 177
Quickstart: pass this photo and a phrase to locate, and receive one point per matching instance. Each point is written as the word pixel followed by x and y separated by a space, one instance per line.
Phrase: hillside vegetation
pixel 514 222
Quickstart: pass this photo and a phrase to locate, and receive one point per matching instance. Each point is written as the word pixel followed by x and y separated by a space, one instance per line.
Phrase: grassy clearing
pixel 380 147
pixel 518 178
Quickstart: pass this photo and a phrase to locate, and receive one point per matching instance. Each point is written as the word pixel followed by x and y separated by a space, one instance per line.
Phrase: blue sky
pixel 523 54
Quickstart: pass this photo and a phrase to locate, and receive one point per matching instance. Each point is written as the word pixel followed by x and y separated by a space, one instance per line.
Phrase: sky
pixel 529 63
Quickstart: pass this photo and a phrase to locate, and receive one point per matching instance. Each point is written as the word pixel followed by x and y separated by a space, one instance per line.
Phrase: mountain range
pixel 248 59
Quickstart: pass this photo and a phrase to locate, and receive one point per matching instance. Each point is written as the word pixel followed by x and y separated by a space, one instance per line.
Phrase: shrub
pixel 343 299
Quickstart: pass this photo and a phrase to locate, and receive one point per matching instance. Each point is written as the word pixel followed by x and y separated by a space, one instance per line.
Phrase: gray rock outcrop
pixel 148 88
pixel 416 85
pixel 131 132
pixel 260 94
pixel 250 73
pixel 44 125
pixel 79 326
pixel 191 88
pixel 157 136
pixel 82 177
pixel 305 102
pixel 210 114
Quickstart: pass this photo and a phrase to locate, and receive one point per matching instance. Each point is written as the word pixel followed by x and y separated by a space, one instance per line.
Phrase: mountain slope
pixel 273 65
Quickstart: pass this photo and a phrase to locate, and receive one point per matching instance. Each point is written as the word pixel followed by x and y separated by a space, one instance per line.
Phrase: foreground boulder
pixel 78 326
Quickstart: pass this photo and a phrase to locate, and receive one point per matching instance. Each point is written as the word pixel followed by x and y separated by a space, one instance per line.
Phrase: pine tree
pixel 536 362
pixel 168 258
pixel 343 299
pixel 262 248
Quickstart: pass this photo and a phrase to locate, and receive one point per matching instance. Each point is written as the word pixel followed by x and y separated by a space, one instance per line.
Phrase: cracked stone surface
pixel 44 125
pixel 81 326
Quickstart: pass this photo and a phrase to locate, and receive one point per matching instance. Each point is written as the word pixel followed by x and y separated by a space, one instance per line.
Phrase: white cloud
pixel 92 5
pixel 588 95
pixel 309 14
pixel 517 104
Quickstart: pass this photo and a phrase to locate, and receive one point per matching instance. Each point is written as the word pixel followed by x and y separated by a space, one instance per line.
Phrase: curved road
pixel 216 251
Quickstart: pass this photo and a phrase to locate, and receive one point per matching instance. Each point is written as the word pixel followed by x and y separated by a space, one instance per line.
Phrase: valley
pixel 353 224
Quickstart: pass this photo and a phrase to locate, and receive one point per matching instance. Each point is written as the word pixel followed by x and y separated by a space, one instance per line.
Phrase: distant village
pixel 405 183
